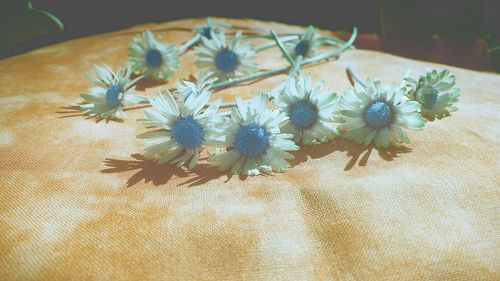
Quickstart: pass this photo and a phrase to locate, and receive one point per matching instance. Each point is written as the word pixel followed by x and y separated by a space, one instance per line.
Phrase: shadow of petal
pixel 146 170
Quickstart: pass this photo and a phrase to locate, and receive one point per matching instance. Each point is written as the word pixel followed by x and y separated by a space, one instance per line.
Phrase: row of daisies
pixel 255 136
pixel 223 57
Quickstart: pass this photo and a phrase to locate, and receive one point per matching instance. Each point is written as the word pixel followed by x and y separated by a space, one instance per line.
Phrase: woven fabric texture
pixel 78 202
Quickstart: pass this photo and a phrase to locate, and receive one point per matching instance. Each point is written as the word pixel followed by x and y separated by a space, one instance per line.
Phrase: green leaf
pixel 22 23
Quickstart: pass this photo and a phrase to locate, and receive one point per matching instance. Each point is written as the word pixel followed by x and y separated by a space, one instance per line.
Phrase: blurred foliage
pixel 21 22
pixel 495 58
pixel 470 26
pixel 23 27
pixel 406 18
pixel 403 18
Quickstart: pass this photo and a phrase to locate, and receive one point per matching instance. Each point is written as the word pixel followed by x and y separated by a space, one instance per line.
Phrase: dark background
pixel 467 30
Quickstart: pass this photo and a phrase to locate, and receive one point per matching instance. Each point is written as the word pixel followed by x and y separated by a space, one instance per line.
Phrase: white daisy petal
pixel 225 60
pixel 378 114
pixel 435 91
pixel 185 130
pixel 111 91
pixel 300 104
pixel 251 135
pixel 152 58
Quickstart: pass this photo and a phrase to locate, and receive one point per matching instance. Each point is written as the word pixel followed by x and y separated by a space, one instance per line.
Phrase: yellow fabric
pixel 77 202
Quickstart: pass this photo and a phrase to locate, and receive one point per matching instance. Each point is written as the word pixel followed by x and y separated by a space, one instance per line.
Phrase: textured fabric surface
pixel 77 201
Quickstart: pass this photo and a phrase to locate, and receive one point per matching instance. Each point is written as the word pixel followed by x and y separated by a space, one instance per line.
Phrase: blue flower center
pixel 153 58
pixel 302 48
pixel 113 94
pixel 206 32
pixel 251 140
pixel 378 114
pixel 188 133
pixel 226 60
pixel 303 114
pixel 429 100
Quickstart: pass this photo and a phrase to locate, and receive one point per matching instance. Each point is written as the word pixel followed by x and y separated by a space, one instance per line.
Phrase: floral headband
pixel 256 136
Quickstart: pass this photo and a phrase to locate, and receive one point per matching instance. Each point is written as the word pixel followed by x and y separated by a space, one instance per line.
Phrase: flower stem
pixel 184 47
pixel 296 65
pixel 281 70
pixel 272 44
pixel 282 48
pixel 354 77
pixel 269 73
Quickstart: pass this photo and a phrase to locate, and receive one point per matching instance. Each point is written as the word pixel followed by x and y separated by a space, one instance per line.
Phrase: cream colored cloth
pixel 77 202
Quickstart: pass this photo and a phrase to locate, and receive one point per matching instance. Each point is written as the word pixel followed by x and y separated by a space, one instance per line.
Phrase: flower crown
pixel 257 135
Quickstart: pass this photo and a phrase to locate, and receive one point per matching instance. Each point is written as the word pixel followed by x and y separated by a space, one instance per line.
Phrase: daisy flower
pixel 181 130
pixel 152 58
pixel 183 88
pixel 110 93
pixel 308 42
pixel 225 59
pixel 309 109
pixel 253 140
pixel 210 26
pixel 377 114
pixel 435 91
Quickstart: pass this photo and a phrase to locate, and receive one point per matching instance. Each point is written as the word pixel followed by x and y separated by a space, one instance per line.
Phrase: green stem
pixel 269 73
pixel 333 41
pixel 272 44
pixel 354 77
pixel 184 47
pixel 296 65
pixel 282 48
pixel 281 70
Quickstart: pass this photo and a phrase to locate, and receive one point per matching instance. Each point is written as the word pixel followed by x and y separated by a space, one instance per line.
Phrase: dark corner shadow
pixel 146 170
pixel 145 83
pixel 357 153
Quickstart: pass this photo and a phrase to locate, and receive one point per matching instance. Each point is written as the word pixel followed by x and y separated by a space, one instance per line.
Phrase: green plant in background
pixel 406 18
pixel 470 26
pixel 403 18
pixel 495 57
pixel 21 22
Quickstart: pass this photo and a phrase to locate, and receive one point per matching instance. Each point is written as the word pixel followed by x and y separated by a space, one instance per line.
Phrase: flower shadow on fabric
pixel 157 174
pixel 74 111
pixel 146 170
pixel 146 83
pixel 360 153
pixel 356 152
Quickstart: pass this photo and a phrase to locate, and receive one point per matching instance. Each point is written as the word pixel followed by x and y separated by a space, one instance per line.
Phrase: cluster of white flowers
pixel 220 59
pixel 256 136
